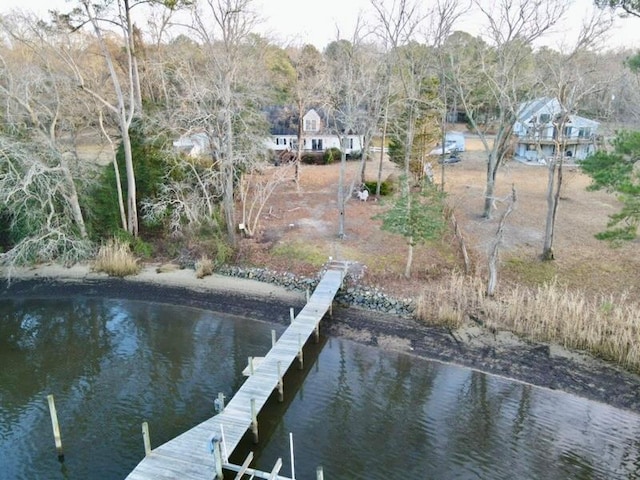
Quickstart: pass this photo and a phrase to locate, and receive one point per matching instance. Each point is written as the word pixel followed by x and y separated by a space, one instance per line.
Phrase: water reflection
pixel 372 415
pixel 361 413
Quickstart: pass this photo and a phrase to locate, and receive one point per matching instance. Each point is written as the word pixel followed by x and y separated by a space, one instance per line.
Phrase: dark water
pixel 361 413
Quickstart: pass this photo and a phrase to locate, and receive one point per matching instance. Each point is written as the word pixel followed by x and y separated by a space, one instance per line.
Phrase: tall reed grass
pixel 115 259
pixel 606 326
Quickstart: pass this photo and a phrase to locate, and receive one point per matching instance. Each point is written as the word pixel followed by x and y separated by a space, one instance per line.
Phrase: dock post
pixel 217 456
pixel 280 383
pixel 218 403
pixel 293 467
pixel 300 358
pixel 273 338
pixel 319 473
pixel 146 439
pixel 331 310
pixel 291 314
pixel 316 333
pixel 307 295
pixel 56 427
pixel 254 421
pixel 250 365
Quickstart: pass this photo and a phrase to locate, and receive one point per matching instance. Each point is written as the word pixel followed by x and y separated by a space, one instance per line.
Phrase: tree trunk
pixel 490 186
pixel 132 208
pixel 72 198
pixel 494 254
pixel 114 159
pixel 407 268
pixel 553 199
pixel 341 202
pixel 384 140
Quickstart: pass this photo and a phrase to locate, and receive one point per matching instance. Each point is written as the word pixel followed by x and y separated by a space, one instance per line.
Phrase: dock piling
pixel 254 420
pixel 146 439
pixel 292 314
pixel 319 473
pixel 280 383
pixel 56 427
pixel 300 352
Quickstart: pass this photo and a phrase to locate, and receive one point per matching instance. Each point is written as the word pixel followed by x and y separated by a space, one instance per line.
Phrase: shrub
pixel 204 267
pixel 316 158
pixel 332 155
pixel 386 187
pixel 115 259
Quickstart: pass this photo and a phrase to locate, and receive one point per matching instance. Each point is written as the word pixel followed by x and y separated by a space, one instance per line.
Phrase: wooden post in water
pixel 280 383
pixel 56 427
pixel 300 359
pixel 316 333
pixel 273 338
pixel 319 473
pixel 250 365
pixel 291 314
pixel 308 295
pixel 217 456
pixel 146 439
pixel 254 421
pixel 293 466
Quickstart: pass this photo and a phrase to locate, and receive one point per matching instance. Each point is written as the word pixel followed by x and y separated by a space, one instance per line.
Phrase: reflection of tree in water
pixel 31 333
pixel 376 415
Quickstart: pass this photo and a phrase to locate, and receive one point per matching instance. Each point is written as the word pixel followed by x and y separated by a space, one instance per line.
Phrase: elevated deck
pixel 191 455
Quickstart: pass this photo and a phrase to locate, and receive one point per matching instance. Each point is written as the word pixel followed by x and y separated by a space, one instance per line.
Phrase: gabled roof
pixel 550 106
pixel 528 109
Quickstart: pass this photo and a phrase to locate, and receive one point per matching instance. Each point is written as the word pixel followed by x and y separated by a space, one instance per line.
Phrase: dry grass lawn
pixel 299 229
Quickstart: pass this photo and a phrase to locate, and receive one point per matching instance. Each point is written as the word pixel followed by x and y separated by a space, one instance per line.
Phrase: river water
pixel 359 412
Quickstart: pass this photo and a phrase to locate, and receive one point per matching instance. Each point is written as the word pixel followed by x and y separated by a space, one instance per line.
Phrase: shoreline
pixel 496 353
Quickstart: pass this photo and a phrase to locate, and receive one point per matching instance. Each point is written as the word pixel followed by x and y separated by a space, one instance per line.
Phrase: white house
pixel 316 137
pixel 194 145
pixel 537 137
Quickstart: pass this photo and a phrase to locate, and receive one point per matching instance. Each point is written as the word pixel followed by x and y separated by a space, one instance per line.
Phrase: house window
pixel 316 144
pixel 351 143
pixel 311 125
pixel 567 132
pixel 584 132
pixel 544 117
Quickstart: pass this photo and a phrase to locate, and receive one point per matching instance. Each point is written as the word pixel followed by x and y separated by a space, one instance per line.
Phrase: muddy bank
pixel 500 353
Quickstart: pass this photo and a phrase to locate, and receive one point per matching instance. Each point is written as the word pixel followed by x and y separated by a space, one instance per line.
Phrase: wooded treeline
pixel 95 76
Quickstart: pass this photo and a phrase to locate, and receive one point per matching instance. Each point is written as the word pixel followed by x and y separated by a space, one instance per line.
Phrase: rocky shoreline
pixel 246 293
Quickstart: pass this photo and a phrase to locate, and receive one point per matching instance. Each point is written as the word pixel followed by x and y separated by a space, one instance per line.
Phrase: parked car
pixel 453 157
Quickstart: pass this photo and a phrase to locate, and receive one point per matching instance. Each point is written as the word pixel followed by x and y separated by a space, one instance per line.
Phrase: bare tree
pixel 226 41
pixel 255 190
pixel 399 24
pixel 35 193
pixel 37 95
pixel 566 75
pixel 494 84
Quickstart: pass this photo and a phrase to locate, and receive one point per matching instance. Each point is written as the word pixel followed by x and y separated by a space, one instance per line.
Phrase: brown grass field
pixel 299 230
pixel 585 299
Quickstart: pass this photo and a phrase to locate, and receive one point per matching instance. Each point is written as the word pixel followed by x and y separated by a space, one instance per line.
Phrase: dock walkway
pixel 191 454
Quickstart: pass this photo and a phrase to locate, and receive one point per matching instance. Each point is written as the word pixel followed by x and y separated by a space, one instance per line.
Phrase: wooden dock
pixel 192 455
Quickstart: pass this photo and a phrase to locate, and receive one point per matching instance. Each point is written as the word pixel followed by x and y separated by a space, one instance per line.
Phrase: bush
pixel 115 259
pixel 316 158
pixel 204 267
pixel 386 187
pixel 332 155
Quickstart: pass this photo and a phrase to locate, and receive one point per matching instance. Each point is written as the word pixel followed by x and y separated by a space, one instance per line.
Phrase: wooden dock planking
pixel 188 456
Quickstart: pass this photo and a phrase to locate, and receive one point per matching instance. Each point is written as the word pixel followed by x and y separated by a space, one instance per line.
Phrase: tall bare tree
pixel 224 98
pixel 37 94
pixel 565 75
pixel 494 84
